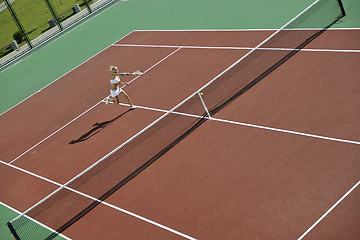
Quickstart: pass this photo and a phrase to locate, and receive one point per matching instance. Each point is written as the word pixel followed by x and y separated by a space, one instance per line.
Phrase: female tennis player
pixel 115 87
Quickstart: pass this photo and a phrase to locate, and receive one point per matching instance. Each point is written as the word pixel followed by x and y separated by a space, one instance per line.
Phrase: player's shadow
pixel 96 128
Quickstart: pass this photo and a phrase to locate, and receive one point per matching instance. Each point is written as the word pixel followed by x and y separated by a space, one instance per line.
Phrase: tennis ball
pixel 201 94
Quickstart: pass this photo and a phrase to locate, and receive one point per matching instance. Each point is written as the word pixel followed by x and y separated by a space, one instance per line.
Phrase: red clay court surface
pixel 279 162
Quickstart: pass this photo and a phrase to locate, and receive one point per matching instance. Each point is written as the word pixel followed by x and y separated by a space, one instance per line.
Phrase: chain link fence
pixel 26 24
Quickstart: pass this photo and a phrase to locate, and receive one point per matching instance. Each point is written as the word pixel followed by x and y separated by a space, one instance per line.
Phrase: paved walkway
pixel 3 5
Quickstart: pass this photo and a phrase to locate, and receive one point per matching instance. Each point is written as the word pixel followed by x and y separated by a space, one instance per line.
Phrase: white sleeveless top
pixel 116 80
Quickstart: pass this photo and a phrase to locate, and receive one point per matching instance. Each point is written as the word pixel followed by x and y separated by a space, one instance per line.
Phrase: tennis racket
pixel 138 73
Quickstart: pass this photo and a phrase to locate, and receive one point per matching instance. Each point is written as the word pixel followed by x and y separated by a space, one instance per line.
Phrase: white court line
pixel 7 206
pixel 87 110
pixel 51 230
pixel 101 202
pixel 238 48
pixel 254 126
pixel 237 30
pixel 53 133
pixel 328 211
pixel 289 131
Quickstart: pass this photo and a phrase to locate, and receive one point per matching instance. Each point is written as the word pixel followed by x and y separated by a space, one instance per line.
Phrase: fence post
pixel 88 6
pixel 54 14
pixel 17 21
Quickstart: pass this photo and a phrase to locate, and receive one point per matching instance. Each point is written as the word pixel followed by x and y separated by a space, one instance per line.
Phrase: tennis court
pixel 278 161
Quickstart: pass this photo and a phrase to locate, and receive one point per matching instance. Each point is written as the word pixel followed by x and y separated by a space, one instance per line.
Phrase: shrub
pixel 18 36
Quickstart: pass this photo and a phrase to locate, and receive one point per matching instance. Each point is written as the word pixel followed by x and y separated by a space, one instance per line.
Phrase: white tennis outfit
pixel 116 92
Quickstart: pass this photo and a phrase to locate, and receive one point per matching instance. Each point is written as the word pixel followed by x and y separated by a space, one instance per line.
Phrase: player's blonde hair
pixel 112 68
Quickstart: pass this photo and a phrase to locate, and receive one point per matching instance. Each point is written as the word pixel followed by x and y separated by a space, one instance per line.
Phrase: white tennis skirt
pixel 116 92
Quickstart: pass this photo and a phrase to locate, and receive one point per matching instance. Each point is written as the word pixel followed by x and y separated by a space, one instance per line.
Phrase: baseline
pixel 333 39
pixel 238 48
pixel 101 202
pixel 328 211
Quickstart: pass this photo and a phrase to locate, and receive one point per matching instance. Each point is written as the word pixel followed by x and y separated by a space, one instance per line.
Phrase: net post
pixel 203 103
pixel 13 232
pixel 342 8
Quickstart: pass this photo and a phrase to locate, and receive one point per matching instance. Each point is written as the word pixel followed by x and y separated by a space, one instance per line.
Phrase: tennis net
pixel 77 197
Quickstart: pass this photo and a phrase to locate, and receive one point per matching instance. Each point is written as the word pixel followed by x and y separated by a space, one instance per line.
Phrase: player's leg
pixel 116 100
pixel 128 99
